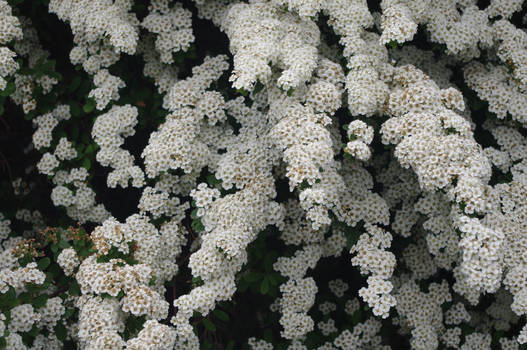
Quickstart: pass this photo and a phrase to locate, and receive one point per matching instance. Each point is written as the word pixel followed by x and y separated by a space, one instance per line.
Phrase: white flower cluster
pixel 29 48
pixel 232 222
pixel 109 131
pixel 102 30
pixel 71 189
pixel 301 133
pixel 173 26
pixel 164 75
pixel 107 88
pixel 18 277
pixel 93 22
pixel 18 318
pixel 140 286
pixel 43 135
pixel 9 30
pixel 422 312
pixel 264 37
pixel 297 298
pixel 68 261
pixel 176 144
pixel 371 256
pixel 462 27
pixel 364 336
pixel 451 187
pixel 360 135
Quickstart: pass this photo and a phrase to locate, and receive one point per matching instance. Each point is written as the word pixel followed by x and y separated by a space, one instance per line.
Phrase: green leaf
pixel 33 332
pixel 63 244
pixel 90 148
pixel 222 315
pixel 75 109
pixel 274 278
pixel 84 252
pixel 75 83
pixel 212 180
pixel 86 163
pixel 197 281
pixel 152 281
pixel 242 92
pixel 356 317
pixel 258 87
pixel 48 66
pixel 61 332
pixel 43 263
pixel 69 312
pixel 197 225
pixel 209 325
pixel 230 345
pixel 9 89
pixel 40 301
pixel 89 106
pixel 75 132
pixel 264 287
pixel 268 335
pixel 252 277
pixel 74 288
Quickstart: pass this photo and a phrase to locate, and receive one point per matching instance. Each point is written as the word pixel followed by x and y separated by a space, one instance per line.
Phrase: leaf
pixel 63 244
pixel 86 163
pixel 206 345
pixel 242 285
pixel 75 109
pixel 75 132
pixel 69 312
pixel 242 92
pixel 40 301
pixel 356 317
pixel 273 278
pixel 61 332
pixel 222 315
pixel 9 89
pixel 264 287
pixel 258 87
pixel 74 288
pixel 268 335
pixel 48 66
pixel 75 83
pixel 212 180
pixel 197 225
pixel 90 148
pixel 252 277
pixel 43 263
pixel 209 325
pixel 230 345
pixel 84 252
pixel 33 332
pixel 89 106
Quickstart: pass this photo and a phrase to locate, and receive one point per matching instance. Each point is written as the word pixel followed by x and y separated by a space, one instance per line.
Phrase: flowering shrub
pixel 267 174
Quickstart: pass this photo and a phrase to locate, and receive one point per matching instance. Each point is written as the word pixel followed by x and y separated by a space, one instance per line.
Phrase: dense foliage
pixel 263 174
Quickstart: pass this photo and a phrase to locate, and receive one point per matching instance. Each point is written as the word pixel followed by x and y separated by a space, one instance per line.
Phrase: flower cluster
pixel 338 175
